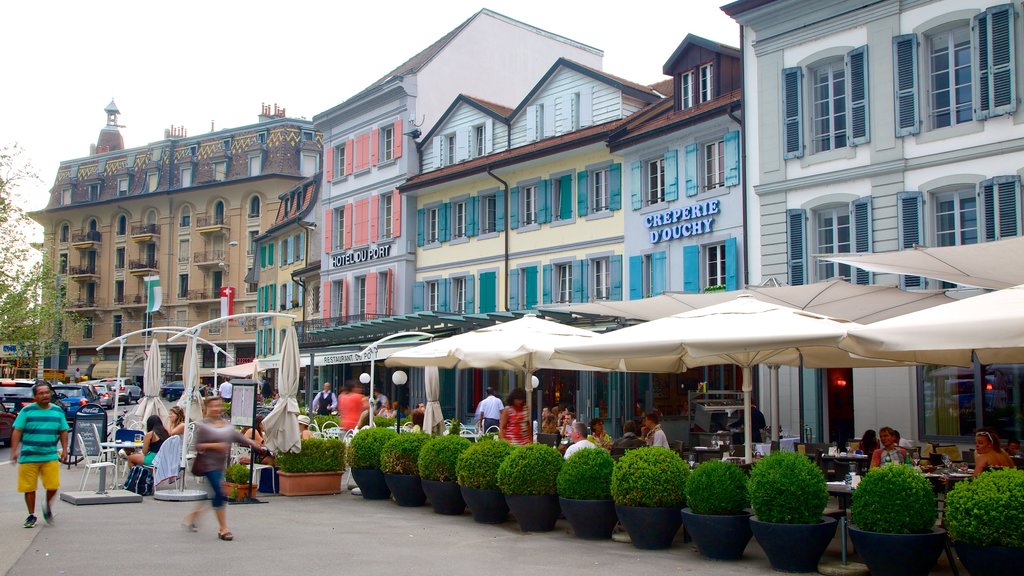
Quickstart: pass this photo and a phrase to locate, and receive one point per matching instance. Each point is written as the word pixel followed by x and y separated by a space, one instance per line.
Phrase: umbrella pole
pixel 774 372
pixel 747 419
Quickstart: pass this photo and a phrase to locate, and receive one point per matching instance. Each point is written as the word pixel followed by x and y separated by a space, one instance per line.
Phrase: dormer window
pixel 122 186
pixel 220 171
pixel 65 196
pixel 686 91
pixel 449 150
pixel 152 181
pixel 705 83
pixel 261 138
pixel 478 141
pixel 225 145
pixel 308 136
pixel 94 191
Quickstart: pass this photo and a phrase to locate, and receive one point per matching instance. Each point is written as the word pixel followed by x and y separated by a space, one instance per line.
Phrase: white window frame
pixel 459 219
pixel 65 196
pixel 600 278
pixel 599 193
pixel 959 216
pixel 947 39
pixel 686 90
pixel 122 186
pixel 556 200
pixel 307 170
pixel 339 160
pixel 339 219
pixel 433 225
pixel 220 171
pixel 489 213
pixel 386 137
pixel 94 190
pixel 152 180
pixel 707 87
pixel 431 295
pixel 714 260
pixel 648 276
pixel 563 279
pixel 529 205
pixel 479 146
pixel 361 295
pixel 714 164
pixel 448 149
pixel 185 177
pixel 654 181
pixel 833 243
pixel 575 118
pixel 459 295
pixel 386 213
pixel 831 130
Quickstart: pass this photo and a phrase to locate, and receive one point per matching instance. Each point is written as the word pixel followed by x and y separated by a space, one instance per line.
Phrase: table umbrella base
pixel 180 495
pixel 88 497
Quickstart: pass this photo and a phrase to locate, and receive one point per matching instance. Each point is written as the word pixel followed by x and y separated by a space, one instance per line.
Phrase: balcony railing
pixel 83 270
pixel 310 331
pixel 143 264
pixel 208 257
pixel 207 294
pixel 145 230
pixel 88 236
pixel 210 220
pixel 124 300
pixel 85 303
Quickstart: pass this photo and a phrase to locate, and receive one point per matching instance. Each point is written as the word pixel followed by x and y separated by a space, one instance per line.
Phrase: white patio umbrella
pixel 151 379
pixel 433 418
pixel 190 399
pixel 282 424
pixel 990 326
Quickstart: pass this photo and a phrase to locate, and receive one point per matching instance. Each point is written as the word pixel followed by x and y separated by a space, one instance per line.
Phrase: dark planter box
pixel 535 513
pixel 407 489
pixel 487 506
pixel 371 483
pixel 794 547
pixel 898 554
pixel 719 537
pixel 989 560
pixel 650 528
pixel 445 497
pixel 590 519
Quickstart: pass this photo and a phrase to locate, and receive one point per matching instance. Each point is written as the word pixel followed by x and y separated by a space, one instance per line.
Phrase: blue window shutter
pixel 911 219
pixel 795 246
pixel 615 277
pixel 732 281
pixel 443 212
pixel 488 292
pixel 857 101
pixel 546 288
pixel 444 290
pixel 499 210
pixel 565 189
pixel 792 113
pixel 861 208
pixel 671 175
pixel 732 158
pixel 999 207
pixel 995 87
pixel 417 296
pixel 582 193
pixel 988 208
pixel 692 177
pixel 581 273
pixel 544 202
pixel 470 294
pixel 657 273
pixel 615 186
pixel 513 208
pixel 904 70
pixel 636 179
pixel 472 220
pixel 636 277
pixel 691 268
pixel 530 298
pixel 577 283
pixel 420 226
pixel 301 250
pixel 513 289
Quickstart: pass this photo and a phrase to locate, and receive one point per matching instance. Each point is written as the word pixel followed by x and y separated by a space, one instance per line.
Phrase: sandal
pixel 190 527
pixel 228 536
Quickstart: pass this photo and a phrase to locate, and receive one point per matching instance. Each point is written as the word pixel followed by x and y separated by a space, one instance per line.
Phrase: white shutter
pixel 437 152
pixel 549 119
pixel 531 123
pixel 489 136
pixel 586 106
pixel 561 115
pixel 462 144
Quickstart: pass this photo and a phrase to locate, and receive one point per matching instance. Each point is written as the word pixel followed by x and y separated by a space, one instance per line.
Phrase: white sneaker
pixel 357 492
pixel 122 454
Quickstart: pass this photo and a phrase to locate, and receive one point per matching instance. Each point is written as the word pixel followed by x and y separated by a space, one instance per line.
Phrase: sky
pixel 189 63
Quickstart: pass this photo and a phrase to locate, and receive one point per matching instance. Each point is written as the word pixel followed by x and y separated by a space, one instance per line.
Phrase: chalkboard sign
pixel 243 402
pixel 91 425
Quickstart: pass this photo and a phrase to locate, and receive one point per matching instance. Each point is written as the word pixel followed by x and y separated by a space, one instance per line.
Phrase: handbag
pixel 203 464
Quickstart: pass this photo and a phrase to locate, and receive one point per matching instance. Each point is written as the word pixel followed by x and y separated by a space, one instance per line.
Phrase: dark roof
pixel 693 40
pixel 661 118
pixel 666 87
pixel 496 111
pixel 307 191
pixel 633 89
pixel 741 6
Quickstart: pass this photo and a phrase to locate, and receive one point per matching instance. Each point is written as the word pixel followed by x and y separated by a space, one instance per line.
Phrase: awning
pixel 360 353
pixel 994 265
pixel 106 369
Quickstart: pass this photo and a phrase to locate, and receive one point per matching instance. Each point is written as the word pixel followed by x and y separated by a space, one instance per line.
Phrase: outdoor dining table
pixel 845 459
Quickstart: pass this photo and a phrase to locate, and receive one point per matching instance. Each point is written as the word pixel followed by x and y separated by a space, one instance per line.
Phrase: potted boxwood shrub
pixel 364 458
pixel 788 494
pixel 585 494
pixel 477 473
pixel 649 489
pixel 438 458
pixel 717 518
pixel 236 482
pixel 983 517
pixel 893 522
pixel 315 469
pixel 528 477
pixel 399 462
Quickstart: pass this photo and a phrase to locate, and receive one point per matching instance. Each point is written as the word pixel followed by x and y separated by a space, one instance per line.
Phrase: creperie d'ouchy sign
pixel 691 220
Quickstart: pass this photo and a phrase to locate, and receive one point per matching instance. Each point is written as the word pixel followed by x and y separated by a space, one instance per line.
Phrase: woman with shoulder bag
pixel 214 437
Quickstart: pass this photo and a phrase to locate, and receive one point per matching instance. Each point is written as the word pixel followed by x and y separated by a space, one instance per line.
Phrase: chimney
pixel 267 113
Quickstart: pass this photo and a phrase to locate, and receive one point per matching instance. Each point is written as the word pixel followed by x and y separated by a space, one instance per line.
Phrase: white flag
pixel 154 295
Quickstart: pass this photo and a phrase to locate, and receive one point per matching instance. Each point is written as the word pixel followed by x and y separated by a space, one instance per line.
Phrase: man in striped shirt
pixel 37 429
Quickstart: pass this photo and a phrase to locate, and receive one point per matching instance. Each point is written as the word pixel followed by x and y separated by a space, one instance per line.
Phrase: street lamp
pixel 365 379
pixel 399 377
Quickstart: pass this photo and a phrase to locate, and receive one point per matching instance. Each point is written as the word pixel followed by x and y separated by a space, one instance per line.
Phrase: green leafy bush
pixel 322 419
pixel 478 465
pixel 439 457
pixel 787 488
pixel 316 455
pixel 401 454
pixel 237 474
pixel 384 422
pixel 587 475
pixel 717 487
pixel 987 511
pixel 894 499
pixel 365 448
pixel 530 470
pixel 653 476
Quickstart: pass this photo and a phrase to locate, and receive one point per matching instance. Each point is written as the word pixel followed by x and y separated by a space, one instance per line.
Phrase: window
pixel 715 256
pixel 478 141
pixel 432 295
pixel 448 157
pixel 1000 207
pixel 950 100
pixel 574 111
pixel 62 266
pixel 115 329
pixel 561 197
pixel 65 196
pixel 65 233
pixel 186 217
pixel 183 255
pixel 87 328
pixel 255 165
pixel 122 186
pixel 433 224
pixel 251 246
pixel 361 295
pixel 339 158
pixel 387 143
pixel 542 130
pixel 833 238
pixel 655 180
pixel 386 214
pixel 714 165
pixel 122 225
pixel 225 145
pixel 152 181
pixel 459 295
pixel 185 177
pixel 220 171
pixel 956 218
pixel 119 291
pixel 254 207
pixel 261 138
pixel 706 91
pixel 310 164
pixel 489 213
pixel 529 194
pixel 308 136
pixel 686 90
pixel 601 278
pixel 218 212
pixel 94 191
pixel 648 280
pixel 564 276
pixel 459 217
pixel 119 258
pixel 828 111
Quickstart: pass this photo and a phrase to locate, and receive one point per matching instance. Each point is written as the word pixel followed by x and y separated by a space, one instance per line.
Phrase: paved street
pixel 315 535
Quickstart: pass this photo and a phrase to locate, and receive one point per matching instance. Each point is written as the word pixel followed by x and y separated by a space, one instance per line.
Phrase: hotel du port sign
pixel 361 255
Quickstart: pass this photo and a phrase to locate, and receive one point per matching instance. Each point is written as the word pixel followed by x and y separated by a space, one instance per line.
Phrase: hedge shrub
pixel 717 487
pixel 478 465
pixel 988 510
pixel 316 455
pixel 439 457
pixel 530 470
pixel 402 453
pixel 651 476
pixel 787 488
pixel 366 446
pixel 587 475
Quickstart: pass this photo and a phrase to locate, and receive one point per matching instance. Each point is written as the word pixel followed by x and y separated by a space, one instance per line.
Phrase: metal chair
pixel 92 462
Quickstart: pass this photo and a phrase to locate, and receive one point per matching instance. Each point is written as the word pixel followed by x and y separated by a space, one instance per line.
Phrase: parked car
pixel 172 390
pixel 128 392
pixel 74 396
pixel 14 398
pixel 6 425
pixel 104 391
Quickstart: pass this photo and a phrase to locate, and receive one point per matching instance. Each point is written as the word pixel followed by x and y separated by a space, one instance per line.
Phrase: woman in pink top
pixel 350 406
pixel 515 425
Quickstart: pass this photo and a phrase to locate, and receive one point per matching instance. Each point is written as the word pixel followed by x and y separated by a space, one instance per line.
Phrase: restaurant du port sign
pixel 361 255
pixel 684 222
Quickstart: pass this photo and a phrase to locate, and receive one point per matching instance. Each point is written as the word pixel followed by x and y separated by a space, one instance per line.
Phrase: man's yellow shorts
pixel 29 473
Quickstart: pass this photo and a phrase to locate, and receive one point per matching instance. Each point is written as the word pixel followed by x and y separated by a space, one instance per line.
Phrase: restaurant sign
pixel 691 220
pixel 362 255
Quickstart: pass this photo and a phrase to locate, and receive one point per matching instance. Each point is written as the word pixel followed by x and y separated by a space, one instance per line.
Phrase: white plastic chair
pixel 92 462
pixel 491 430
pixel 236 456
pixel 331 432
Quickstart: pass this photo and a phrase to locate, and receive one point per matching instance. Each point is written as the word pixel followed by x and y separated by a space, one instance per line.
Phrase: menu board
pixel 243 402
pixel 91 425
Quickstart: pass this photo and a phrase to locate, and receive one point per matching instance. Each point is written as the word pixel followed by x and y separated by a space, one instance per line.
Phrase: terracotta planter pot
pixel 989 560
pixel 794 547
pixel 371 483
pixel 239 491
pixel 487 506
pixel 407 489
pixel 445 497
pixel 650 528
pixel 719 537
pixel 898 554
pixel 309 483
pixel 590 519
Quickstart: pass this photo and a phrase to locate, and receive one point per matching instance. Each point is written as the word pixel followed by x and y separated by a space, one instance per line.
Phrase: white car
pixel 128 392
pixel 103 391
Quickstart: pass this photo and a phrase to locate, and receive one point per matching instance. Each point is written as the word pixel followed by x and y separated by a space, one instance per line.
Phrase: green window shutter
pixel 582 193
pixel 795 246
pixel 513 289
pixel 420 226
pixel 417 296
pixel 672 175
pixel 904 55
pixel 636 179
pixel 636 277
pixel 857 102
pixel 692 176
pixel 499 210
pixel 658 273
pixel 691 268
pixel 615 277
pixel 544 202
pixel 513 208
pixel 444 290
pixel 443 233
pixel 615 186
pixel 270 254
pixel 472 217
pixel 580 281
pixel 565 197
pixel 792 113
pixel 546 288
pixel 911 219
pixel 488 292
pixel 861 209
pixel 732 158
pixel 530 298
pixel 470 294
pixel 731 260
pixel 263 256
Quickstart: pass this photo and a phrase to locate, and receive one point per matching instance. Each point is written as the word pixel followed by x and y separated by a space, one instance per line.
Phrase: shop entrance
pixel 839 393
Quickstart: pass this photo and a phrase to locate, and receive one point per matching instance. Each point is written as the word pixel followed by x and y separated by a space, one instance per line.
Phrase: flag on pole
pixel 154 295
pixel 227 301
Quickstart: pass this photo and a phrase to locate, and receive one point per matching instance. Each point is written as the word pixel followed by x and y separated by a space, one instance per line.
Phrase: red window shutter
pixel 350 150
pixel 346 234
pixel 343 298
pixel 362 222
pixel 398 138
pixel 371 292
pixel 325 302
pixel 389 306
pixel 329 163
pixel 328 230
pixel 362 152
pixel 373 147
pixel 374 214
pixel 396 213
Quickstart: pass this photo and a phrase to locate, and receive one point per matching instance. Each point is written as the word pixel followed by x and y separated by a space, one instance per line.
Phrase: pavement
pixel 318 535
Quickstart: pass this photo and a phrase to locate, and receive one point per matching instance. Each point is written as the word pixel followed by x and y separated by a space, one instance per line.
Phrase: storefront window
pixel 950 395
pixel 1001 399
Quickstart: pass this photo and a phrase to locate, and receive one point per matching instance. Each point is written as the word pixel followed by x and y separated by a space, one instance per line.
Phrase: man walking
pixel 225 390
pixel 34 446
pixel 325 402
pixel 488 412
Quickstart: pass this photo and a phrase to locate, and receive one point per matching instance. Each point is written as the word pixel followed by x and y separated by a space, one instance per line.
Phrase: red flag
pixel 227 301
